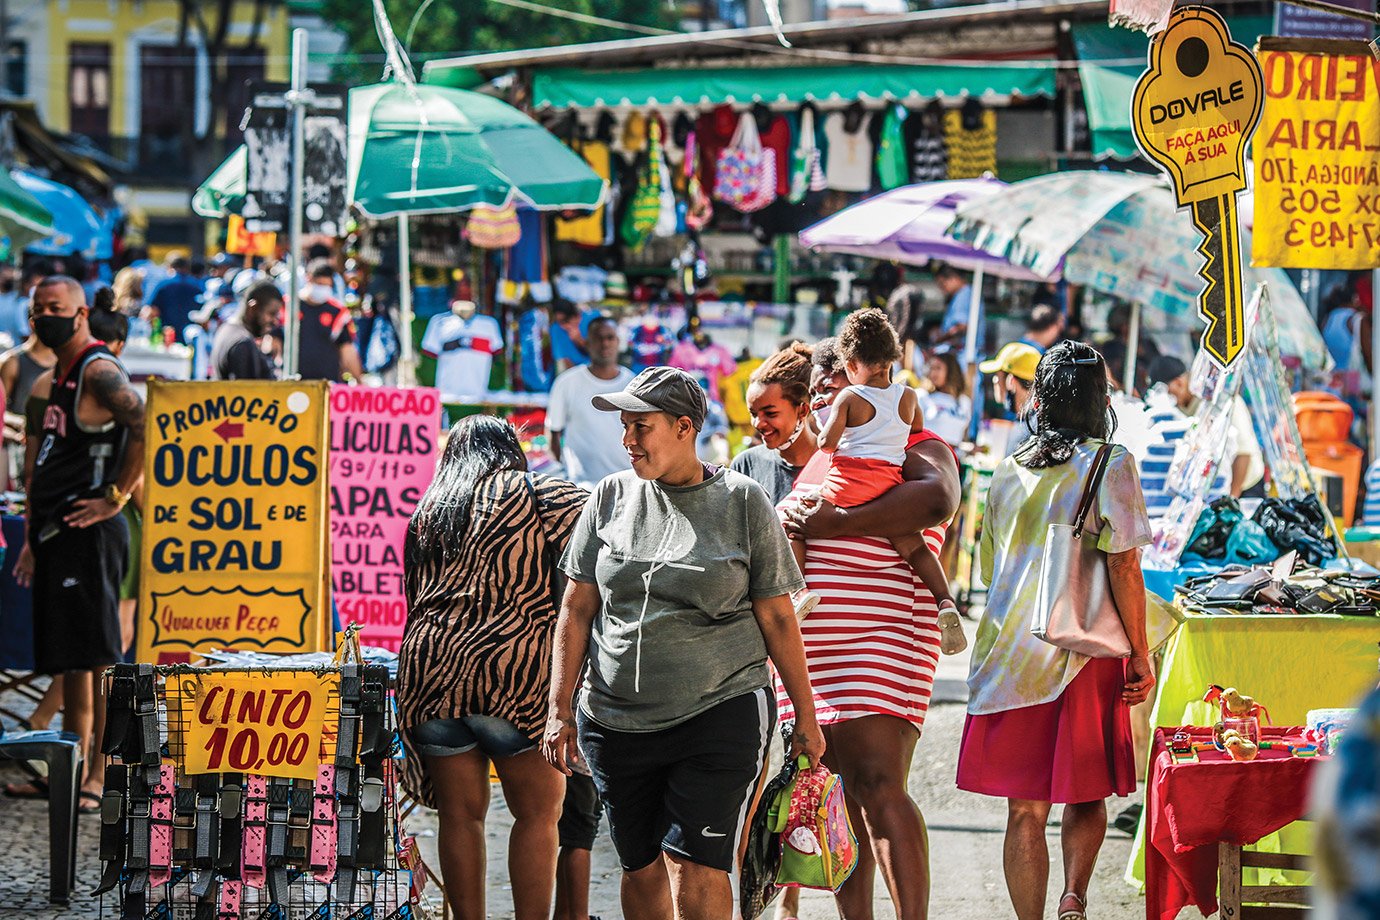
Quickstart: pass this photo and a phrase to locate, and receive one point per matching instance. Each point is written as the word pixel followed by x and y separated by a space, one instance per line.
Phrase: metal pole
pixel 407 366
pixel 974 320
pixel 297 102
pixel 1374 390
pixel 1128 378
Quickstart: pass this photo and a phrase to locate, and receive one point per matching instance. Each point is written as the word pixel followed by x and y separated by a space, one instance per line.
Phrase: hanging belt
pixel 119 709
pixel 231 827
pixel 372 830
pixel 299 823
pixel 230 891
pixel 279 802
pixel 184 826
pixel 323 832
pixel 138 840
pixel 113 826
pixel 161 827
pixel 347 781
pixel 372 705
pixel 206 836
pixel 255 830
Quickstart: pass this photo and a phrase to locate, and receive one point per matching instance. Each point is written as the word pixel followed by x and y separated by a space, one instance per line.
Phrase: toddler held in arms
pixel 866 434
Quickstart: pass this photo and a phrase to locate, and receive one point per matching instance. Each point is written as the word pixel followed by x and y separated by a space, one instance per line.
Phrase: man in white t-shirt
pixel 464 343
pixel 587 441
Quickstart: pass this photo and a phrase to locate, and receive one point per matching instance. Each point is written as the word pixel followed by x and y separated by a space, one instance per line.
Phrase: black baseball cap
pixel 659 389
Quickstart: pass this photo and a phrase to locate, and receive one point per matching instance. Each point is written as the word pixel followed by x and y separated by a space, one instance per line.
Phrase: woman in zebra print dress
pixel 474 667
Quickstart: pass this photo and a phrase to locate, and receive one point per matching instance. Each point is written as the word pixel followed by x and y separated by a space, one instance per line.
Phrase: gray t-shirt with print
pixel 677 570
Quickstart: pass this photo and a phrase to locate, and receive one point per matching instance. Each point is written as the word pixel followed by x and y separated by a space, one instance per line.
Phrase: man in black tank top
pixel 90 459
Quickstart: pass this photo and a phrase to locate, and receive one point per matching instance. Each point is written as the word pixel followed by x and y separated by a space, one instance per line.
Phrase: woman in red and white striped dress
pixel 872 645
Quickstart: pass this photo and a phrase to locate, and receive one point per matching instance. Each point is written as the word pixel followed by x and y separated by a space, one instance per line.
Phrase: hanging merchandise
pixel 970 135
pixel 524 272
pixel 745 177
pixel 849 164
pixel 668 222
pixel 929 159
pixel 644 210
pixel 807 172
pixel 493 228
pixel 587 229
pixel 699 210
pixel 893 168
pixel 464 343
pixel 775 131
pixel 713 132
pixel 635 133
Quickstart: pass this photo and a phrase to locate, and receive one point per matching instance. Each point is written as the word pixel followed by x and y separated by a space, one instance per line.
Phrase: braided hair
pixel 1068 405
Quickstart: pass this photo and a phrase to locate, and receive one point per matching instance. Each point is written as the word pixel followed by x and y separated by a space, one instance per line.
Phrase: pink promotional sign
pixel 383 457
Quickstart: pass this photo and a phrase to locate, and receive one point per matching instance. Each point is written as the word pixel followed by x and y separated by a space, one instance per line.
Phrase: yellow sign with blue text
pixel 235 524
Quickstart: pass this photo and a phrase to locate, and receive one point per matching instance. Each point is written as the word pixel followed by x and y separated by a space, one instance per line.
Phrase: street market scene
pixel 549 460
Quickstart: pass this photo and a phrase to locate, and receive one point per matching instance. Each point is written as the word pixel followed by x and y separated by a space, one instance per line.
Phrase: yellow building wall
pixel 114 22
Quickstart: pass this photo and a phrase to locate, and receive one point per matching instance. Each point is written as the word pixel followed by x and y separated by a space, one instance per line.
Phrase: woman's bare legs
pixel 873 755
pixel 461 782
pixel 1025 857
pixel 1084 827
pixel 534 791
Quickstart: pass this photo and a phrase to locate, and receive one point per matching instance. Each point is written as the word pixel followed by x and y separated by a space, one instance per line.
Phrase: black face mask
pixel 6 285
pixel 1011 404
pixel 54 331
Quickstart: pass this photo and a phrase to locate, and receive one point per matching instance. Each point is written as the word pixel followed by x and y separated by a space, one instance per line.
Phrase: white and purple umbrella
pixel 907 225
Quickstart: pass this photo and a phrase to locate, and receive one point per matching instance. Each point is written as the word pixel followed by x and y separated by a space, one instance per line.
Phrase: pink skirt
pixel 1076 748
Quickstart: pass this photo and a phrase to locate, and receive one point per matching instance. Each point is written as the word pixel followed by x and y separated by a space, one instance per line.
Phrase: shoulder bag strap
pixel 549 554
pixel 1090 488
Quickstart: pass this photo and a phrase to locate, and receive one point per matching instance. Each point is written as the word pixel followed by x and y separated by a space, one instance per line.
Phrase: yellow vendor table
pixel 1290 664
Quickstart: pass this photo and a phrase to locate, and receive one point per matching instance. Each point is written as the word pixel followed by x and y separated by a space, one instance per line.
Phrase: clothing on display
pixel 848 167
pixel 713 132
pixel 893 167
pixel 581 283
pixel 533 326
pixel 588 229
pixel 776 140
pixel 705 360
pixel 464 350
pixel 650 344
pixel 970 137
pixel 929 158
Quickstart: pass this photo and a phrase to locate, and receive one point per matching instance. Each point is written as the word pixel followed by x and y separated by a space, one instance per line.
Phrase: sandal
pixel 1077 912
pixel 34 789
pixel 87 796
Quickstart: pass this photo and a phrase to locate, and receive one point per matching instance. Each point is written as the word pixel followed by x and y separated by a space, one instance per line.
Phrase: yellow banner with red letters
pixel 1317 156
pixel 265 723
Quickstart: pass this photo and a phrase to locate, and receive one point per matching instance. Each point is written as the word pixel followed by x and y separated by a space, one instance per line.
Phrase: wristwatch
pixel 115 496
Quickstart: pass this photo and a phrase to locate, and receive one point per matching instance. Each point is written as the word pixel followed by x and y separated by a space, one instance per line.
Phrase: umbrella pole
pixel 407 364
pixel 1128 380
pixel 291 348
pixel 974 319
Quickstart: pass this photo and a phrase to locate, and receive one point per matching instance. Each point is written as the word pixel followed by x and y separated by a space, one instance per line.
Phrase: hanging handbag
pixel 493 228
pixel 1074 608
pixel 818 847
pixel 698 209
pixel 745 174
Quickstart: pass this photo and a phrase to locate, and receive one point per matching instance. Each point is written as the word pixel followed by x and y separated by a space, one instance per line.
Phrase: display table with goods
pixel 255 788
pixel 1202 804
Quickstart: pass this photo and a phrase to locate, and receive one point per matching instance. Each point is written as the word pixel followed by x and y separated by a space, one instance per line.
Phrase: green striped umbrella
pixel 22 218
pixel 223 191
pixel 426 149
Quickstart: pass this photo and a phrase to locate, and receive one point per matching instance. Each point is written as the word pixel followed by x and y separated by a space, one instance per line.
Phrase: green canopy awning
pixel 1110 60
pixel 565 87
pixel 22 218
pixel 432 149
pixel 223 191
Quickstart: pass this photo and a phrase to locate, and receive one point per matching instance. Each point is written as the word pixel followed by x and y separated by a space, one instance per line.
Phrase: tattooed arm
pixel 108 386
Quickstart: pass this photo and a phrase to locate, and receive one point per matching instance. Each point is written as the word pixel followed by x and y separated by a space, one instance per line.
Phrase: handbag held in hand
pixel 1074 609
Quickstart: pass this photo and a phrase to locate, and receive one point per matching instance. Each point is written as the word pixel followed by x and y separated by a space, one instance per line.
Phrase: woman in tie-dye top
pixel 1046 725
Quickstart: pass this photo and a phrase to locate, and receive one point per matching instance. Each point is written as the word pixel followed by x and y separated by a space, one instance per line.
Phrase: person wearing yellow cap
pixel 1013 373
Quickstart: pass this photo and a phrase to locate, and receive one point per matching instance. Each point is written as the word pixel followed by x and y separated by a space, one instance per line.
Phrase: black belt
pixel 347 781
pixel 279 803
pixel 184 826
pixel 227 860
pixel 206 840
pixel 113 826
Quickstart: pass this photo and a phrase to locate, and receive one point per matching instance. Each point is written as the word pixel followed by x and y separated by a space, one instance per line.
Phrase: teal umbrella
pixel 23 219
pixel 223 191
pixel 423 149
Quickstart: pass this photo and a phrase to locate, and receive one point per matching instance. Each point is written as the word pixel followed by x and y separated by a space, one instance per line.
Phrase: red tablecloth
pixel 1191 807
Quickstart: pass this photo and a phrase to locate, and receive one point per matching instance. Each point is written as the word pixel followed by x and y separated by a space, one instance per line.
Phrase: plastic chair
pixel 61 751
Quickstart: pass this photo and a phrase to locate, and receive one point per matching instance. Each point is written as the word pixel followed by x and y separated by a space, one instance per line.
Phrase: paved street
pixel 965 841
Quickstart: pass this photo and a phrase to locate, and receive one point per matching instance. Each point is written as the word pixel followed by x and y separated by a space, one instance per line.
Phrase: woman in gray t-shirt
pixel 680 592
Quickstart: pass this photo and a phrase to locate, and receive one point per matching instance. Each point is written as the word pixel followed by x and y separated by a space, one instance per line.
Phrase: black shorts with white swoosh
pixel 684 789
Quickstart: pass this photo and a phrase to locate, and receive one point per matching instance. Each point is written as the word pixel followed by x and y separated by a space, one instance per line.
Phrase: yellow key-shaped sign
pixel 1193 112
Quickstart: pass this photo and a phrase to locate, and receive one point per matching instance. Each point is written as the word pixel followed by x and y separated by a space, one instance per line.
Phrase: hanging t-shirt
pixel 849 164
pixel 892 162
pixel 777 140
pixel 649 346
pixel 713 132
pixel 464 351
pixel 970 136
pixel 924 129
pixel 588 229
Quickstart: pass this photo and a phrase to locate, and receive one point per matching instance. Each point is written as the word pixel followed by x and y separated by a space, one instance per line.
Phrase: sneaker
pixel 951 637
pixel 805 603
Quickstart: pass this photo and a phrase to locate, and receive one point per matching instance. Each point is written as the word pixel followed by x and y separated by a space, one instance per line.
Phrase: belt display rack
pixel 177 845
